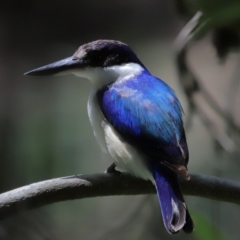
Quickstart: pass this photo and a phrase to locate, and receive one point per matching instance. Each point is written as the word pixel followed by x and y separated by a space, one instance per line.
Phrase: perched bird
pixel 136 118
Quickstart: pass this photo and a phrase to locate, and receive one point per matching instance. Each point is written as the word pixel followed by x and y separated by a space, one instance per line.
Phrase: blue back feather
pixel 146 111
pixel 144 104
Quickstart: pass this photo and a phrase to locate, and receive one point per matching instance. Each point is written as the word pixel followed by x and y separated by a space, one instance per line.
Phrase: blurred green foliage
pixel 205 228
pixel 216 13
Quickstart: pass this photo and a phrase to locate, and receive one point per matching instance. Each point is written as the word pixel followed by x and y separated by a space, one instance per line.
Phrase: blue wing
pixel 146 113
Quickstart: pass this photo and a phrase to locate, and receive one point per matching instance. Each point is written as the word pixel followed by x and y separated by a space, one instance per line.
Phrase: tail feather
pixel 174 210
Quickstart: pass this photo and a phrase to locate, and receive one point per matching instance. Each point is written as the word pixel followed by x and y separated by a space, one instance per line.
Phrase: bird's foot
pixel 112 169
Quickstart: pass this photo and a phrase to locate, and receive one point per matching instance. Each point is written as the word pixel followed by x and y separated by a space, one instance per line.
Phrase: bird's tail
pixel 174 210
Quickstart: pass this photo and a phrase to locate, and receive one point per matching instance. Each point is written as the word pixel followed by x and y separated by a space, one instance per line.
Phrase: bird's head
pixel 100 61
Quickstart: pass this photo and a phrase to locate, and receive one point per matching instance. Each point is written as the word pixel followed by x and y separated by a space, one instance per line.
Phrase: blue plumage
pixel 147 114
pixel 174 210
pixel 144 104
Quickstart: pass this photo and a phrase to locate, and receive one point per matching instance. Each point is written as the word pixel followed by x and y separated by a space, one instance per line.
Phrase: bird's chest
pixel 97 120
pixel 125 156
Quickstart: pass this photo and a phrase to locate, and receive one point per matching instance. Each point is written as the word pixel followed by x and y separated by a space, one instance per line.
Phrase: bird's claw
pixel 112 169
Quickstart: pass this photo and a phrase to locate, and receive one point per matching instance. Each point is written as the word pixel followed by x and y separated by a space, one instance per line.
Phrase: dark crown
pixel 104 53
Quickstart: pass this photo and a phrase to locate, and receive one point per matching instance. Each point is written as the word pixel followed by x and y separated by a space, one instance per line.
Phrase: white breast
pixel 96 119
pixel 124 155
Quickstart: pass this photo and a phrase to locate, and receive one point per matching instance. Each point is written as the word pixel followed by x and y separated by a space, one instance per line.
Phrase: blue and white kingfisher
pixel 136 118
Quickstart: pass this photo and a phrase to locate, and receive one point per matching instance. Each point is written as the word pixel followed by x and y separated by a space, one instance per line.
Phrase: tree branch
pixel 85 186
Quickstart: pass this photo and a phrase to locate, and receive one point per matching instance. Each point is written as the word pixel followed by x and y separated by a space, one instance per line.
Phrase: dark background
pixel 45 131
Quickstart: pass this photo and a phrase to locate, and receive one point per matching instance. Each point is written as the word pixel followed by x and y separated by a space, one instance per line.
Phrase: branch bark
pixel 85 186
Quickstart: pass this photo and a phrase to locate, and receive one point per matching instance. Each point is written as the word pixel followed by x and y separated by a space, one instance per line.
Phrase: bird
pixel 136 118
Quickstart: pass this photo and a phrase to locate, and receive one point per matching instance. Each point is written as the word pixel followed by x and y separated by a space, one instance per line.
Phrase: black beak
pixel 57 67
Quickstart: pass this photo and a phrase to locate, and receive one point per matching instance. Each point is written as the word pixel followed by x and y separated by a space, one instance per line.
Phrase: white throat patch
pixel 103 76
